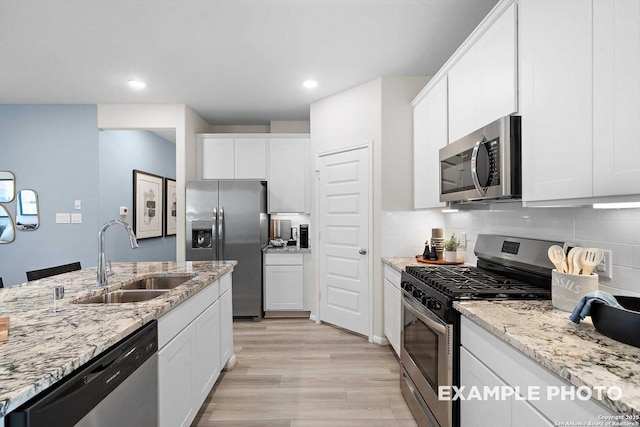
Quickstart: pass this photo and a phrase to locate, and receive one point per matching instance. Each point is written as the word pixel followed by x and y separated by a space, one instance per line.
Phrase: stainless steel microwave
pixel 484 165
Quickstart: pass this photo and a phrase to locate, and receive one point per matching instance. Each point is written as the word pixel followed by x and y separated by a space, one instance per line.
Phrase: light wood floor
pixel 296 373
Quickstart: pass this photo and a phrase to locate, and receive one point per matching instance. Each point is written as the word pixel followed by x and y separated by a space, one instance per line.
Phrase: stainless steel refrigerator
pixel 227 220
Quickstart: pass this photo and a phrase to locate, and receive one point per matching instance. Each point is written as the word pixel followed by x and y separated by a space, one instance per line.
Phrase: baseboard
pixel 313 317
pixel 381 341
pixel 285 313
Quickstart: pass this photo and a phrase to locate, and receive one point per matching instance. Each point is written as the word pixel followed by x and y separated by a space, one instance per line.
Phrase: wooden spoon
pixel 558 258
pixel 575 264
pixel 590 259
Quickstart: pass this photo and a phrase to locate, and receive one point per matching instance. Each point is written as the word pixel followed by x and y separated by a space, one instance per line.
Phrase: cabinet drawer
pixel 283 259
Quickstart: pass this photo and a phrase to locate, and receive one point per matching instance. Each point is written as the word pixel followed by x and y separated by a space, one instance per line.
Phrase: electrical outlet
pixel 63 218
pixel 604 268
pixel 463 240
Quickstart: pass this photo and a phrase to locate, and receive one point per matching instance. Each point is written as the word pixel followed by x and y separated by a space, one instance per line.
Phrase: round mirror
pixel 7 233
pixel 27 218
pixel 7 186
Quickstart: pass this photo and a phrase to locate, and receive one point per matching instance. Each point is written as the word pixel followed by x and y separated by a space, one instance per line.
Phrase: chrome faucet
pixel 102 270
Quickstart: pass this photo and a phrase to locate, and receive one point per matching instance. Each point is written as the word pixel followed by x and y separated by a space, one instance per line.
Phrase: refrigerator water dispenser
pixel 201 234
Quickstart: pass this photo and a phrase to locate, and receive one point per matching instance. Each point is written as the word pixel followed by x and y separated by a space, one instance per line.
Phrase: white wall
pixel 376 112
pixel 617 230
pixel 404 233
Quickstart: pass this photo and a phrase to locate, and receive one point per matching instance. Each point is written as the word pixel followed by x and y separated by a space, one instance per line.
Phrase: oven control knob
pixel 432 304
pixel 407 287
pixel 417 293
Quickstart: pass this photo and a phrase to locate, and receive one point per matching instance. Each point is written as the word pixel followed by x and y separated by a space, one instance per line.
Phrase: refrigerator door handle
pixel 215 232
pixel 221 234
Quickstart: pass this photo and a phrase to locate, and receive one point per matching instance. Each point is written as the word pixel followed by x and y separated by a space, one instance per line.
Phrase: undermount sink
pixel 123 296
pixel 159 282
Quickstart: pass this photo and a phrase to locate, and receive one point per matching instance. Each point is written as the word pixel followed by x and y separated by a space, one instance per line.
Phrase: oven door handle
pixel 434 324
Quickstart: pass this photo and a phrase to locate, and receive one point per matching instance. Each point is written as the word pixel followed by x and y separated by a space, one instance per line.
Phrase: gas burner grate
pixel 465 282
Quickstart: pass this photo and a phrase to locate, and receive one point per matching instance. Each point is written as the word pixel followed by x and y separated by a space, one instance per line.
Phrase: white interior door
pixel 344 239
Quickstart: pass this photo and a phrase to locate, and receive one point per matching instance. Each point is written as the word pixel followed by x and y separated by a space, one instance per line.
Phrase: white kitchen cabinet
pixel 226 320
pixel 556 103
pixel 232 157
pixel 176 382
pixel 288 175
pixel 283 282
pixel 616 97
pixel 483 82
pixel 430 134
pixel 487 360
pixel 207 352
pixel 191 338
pixel 392 307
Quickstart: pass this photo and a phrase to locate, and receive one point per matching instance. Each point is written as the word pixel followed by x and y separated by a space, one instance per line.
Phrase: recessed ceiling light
pixel 137 84
pixel 310 84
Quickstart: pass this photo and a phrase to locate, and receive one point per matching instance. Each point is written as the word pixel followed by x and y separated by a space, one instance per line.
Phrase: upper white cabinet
pixel 430 134
pixel 483 82
pixel 580 99
pixel 616 97
pixel 556 98
pixel 288 185
pixel 228 157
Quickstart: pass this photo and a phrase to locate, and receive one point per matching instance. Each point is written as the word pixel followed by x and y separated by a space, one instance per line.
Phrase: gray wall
pixel 120 152
pixel 56 150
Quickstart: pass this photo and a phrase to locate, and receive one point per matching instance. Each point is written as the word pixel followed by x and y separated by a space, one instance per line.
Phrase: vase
pixel 450 256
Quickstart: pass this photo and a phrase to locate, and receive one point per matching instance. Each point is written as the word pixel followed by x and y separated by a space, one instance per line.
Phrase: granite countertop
pixel 45 345
pixel 285 250
pixel 399 263
pixel 577 353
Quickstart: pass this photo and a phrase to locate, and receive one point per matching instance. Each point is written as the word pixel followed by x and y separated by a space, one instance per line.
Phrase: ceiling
pixel 233 61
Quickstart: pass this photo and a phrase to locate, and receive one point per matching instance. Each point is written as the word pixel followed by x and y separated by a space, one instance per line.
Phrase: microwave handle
pixel 474 168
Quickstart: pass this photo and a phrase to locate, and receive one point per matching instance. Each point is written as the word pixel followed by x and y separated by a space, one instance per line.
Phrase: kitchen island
pixel 48 341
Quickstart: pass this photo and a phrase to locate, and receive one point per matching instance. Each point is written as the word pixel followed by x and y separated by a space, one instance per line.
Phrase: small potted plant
pixel 451 248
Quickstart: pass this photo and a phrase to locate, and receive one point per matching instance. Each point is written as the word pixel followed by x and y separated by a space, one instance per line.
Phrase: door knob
pixel 362 251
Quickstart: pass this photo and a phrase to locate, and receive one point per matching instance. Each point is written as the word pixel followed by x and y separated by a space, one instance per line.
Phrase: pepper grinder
pixel 433 254
pixel 427 250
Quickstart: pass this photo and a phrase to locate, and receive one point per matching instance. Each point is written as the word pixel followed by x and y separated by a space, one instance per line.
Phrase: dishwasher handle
pixel 68 402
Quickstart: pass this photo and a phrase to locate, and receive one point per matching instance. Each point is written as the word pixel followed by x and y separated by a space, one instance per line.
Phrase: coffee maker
pixel 304 235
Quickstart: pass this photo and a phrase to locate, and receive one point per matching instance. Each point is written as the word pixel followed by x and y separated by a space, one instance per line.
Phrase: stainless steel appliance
pixel 117 388
pixel 280 229
pixel 227 220
pixel 484 165
pixel 508 268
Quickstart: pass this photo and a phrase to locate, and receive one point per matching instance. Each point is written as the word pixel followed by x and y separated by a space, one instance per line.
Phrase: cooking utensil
pixel 620 324
pixel 558 258
pixel 573 258
pixel 590 259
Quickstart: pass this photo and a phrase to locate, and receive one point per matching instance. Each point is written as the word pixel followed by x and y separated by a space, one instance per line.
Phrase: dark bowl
pixel 616 323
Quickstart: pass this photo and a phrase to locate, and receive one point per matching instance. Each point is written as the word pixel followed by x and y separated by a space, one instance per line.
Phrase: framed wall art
pixel 170 207
pixel 147 204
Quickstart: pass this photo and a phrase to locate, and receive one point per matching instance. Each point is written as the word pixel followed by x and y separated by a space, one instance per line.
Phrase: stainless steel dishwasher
pixel 117 388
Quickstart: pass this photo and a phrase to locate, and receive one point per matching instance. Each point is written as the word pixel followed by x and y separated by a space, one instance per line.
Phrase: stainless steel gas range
pixel 508 268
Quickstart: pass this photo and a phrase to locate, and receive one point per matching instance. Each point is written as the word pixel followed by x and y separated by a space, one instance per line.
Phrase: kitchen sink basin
pixel 159 282
pixel 123 296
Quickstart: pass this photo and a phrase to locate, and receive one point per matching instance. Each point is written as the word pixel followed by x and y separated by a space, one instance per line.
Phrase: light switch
pixel 63 218
pixel 76 218
pixel 78 204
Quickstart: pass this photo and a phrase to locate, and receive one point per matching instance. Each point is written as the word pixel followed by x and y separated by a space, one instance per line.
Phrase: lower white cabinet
pixel 283 282
pixel 392 307
pixel 176 385
pixel 207 354
pixel 226 320
pixel 193 340
pixel 485 360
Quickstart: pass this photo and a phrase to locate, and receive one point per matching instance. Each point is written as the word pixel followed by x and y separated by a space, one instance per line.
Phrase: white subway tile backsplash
pixel 635 257
pixel 614 231
pixel 404 232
